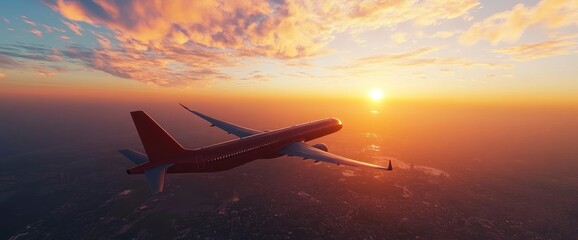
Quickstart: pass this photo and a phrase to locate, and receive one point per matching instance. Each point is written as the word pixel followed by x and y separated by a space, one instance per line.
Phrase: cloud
pixel 36 32
pixel 28 21
pixel 45 73
pixel 181 36
pixel 526 52
pixel 7 62
pixel 416 59
pixel 500 76
pixel 102 40
pixel 74 27
pixel 2 75
pixel 399 37
pixel 443 34
pixel 509 26
pixel 396 57
pixel 422 13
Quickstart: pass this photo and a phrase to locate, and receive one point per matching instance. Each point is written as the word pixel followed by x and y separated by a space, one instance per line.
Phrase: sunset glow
pixel 376 94
pixel 474 103
pixel 438 50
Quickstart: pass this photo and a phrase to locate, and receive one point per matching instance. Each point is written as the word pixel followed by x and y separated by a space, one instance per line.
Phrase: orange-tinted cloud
pixel 443 34
pixel 533 51
pixel 387 13
pixel 396 57
pixel 2 75
pixel 416 59
pixel 509 26
pixel 45 73
pixel 399 37
pixel 36 32
pixel 200 38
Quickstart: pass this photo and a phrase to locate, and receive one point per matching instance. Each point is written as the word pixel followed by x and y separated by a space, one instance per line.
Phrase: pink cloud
pixel 45 73
pixel 102 40
pixel 7 62
pixel 28 21
pixel 36 32
pixel 74 27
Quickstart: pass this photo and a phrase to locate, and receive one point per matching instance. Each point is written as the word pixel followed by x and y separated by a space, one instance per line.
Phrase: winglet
pixel 389 167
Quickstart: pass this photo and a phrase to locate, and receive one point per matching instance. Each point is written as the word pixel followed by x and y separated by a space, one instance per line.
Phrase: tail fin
pixel 157 142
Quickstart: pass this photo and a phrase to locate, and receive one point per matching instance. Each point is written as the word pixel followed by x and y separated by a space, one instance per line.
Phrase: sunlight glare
pixel 376 94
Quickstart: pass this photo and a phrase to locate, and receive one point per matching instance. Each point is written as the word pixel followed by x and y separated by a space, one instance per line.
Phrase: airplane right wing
pixel 227 127
pixel 305 151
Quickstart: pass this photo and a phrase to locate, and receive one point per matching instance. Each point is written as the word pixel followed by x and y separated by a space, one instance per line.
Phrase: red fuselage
pixel 230 154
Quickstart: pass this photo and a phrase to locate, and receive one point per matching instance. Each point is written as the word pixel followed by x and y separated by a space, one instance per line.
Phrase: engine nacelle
pixel 321 146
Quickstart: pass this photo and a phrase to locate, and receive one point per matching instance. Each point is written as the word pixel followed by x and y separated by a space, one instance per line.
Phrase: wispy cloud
pixel 36 32
pixel 101 39
pixel 397 57
pixel 7 62
pixel 2 75
pixel 509 26
pixel 74 27
pixel 45 73
pixel 443 34
pixel 416 58
pixel 28 21
pixel 399 37
pixel 526 52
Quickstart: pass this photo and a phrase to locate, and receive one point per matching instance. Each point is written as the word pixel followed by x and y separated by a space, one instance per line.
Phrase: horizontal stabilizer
pixel 156 177
pixel 136 157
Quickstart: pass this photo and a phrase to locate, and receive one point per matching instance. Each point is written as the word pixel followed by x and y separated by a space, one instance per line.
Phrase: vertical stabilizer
pixel 158 144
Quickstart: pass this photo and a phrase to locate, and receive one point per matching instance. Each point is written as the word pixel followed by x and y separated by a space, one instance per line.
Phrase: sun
pixel 375 94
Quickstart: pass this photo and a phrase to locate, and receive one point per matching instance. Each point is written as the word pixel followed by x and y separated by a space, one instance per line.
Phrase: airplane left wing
pixel 301 149
pixel 227 127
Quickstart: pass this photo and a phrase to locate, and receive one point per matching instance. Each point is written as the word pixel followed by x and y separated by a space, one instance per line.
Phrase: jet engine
pixel 321 146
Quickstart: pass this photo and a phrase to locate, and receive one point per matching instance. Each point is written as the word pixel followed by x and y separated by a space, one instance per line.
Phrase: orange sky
pixel 443 51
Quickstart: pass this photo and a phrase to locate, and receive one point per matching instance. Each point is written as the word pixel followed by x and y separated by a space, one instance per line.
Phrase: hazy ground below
pixel 462 171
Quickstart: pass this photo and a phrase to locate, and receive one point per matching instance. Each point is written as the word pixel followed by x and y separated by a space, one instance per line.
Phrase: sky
pixel 460 50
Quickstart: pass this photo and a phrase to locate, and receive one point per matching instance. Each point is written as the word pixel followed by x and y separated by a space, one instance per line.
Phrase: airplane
pixel 165 155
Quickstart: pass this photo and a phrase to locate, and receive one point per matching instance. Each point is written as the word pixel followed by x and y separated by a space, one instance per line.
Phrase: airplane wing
pixel 303 150
pixel 227 127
